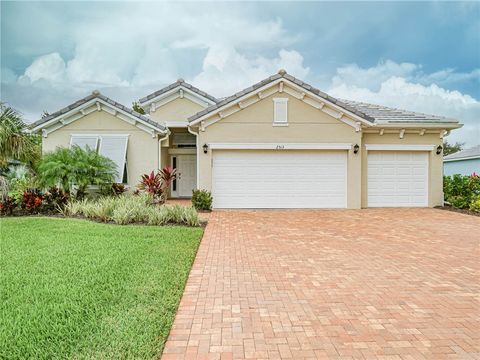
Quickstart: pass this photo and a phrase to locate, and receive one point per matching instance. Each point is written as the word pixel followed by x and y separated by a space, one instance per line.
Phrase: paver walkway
pixel 351 284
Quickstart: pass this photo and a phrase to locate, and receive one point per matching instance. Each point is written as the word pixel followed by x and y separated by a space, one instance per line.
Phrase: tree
pixel 136 107
pixel 452 148
pixel 16 143
pixel 66 168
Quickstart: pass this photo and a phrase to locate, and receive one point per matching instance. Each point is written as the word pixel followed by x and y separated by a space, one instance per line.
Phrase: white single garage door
pixel 279 179
pixel 397 179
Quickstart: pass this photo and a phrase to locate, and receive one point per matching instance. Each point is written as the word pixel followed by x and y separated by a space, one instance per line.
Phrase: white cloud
pixel 226 71
pixel 234 50
pixel 372 77
pixel 398 91
pixel 50 67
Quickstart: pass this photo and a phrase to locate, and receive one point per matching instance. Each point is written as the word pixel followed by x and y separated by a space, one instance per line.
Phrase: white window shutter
pixel 115 148
pixel 84 141
pixel 280 110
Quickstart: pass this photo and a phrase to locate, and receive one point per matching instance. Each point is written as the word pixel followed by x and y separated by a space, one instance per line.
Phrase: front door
pixel 186 175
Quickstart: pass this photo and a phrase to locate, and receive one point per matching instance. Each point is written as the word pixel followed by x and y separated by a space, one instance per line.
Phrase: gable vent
pixel 280 110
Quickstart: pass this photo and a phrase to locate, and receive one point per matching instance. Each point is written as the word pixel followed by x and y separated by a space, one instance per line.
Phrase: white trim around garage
pixel 280 146
pixel 398 147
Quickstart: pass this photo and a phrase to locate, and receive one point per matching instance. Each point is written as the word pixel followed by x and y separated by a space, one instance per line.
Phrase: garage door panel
pixel 397 178
pixel 279 179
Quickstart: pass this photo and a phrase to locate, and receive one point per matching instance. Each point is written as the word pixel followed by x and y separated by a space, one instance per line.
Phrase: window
pixel 280 111
pixel 113 147
pixel 174 166
pixel 85 141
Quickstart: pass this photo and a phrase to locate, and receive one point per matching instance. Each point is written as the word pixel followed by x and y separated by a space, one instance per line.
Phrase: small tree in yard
pixel 452 148
pixel 67 168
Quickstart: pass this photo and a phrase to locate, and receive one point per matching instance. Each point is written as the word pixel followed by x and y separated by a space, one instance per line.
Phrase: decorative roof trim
pixel 179 92
pixel 418 125
pixel 180 87
pixel 92 103
pixel 264 91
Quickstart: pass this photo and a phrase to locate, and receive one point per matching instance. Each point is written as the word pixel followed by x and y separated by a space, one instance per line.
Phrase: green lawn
pixel 75 289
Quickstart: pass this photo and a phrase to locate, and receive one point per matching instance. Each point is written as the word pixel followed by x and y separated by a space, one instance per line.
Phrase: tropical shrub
pixel 7 205
pixel 129 209
pixel 158 184
pixel 202 199
pixel 20 186
pixel 55 199
pixel 151 183
pixel 32 201
pixel 460 191
pixel 75 168
pixel 475 204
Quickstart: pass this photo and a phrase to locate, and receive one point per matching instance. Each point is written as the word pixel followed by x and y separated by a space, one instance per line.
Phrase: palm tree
pixel 66 167
pixel 15 141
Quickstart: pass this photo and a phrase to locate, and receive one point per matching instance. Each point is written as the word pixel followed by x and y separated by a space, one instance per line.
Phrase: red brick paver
pixel 352 284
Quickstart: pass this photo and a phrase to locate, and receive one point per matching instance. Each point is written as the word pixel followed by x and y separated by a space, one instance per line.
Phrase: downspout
pixel 159 146
pixel 198 154
pixel 445 133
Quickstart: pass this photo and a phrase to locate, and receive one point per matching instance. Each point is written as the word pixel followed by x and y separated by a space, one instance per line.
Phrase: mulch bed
pixel 462 211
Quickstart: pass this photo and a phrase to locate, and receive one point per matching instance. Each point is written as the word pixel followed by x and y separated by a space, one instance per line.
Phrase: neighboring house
pixel 464 162
pixel 280 143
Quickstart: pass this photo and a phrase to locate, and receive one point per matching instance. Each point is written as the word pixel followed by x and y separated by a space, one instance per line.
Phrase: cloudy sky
pixel 417 56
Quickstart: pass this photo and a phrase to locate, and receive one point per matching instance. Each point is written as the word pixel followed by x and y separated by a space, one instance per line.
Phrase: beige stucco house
pixel 280 143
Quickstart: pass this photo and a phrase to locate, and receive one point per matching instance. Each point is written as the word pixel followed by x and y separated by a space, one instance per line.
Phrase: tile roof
pixel 473 152
pixel 370 112
pixel 93 95
pixel 281 74
pixel 179 82
pixel 384 114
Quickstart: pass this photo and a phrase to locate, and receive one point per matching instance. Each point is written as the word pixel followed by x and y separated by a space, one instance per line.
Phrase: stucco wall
pixel 176 110
pixel 435 183
pixel 305 125
pixel 142 152
pixel 463 167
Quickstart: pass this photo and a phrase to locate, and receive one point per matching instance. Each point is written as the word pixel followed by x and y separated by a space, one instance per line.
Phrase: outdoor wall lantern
pixel 439 149
pixel 205 148
pixel 356 148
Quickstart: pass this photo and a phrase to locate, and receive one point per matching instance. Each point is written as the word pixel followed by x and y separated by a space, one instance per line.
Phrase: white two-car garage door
pixel 397 179
pixel 279 179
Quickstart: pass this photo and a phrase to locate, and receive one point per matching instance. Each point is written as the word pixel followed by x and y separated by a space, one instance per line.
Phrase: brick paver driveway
pixel 386 283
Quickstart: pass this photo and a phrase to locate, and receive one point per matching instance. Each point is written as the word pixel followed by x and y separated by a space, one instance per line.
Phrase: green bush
pixel 475 204
pixel 129 209
pixel 460 190
pixel 202 199
pixel 458 201
pixel 75 168
pixel 20 186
